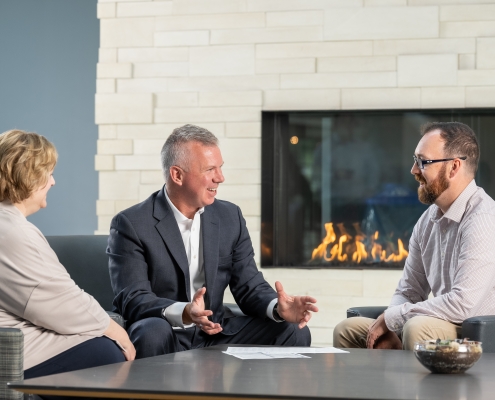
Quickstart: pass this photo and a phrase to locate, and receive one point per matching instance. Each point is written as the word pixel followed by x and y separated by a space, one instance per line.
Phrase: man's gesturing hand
pixel 195 313
pixel 295 309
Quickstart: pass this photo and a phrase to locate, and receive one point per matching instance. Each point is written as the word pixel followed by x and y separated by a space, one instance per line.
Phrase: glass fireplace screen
pixel 337 189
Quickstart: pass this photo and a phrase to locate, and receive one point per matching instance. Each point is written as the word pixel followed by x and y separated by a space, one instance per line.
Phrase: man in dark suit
pixel 173 255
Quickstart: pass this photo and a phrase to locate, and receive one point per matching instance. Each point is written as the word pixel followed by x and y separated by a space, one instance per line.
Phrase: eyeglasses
pixel 421 163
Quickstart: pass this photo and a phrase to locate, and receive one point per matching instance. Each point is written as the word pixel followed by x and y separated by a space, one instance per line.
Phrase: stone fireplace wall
pixel 219 63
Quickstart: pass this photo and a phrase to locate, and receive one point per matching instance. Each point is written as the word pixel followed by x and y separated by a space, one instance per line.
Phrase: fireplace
pixel 336 186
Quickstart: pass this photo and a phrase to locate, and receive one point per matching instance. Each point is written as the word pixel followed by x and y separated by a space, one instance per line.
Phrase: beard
pixel 429 192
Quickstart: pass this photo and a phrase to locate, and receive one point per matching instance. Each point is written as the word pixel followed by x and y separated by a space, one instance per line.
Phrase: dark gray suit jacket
pixel 149 269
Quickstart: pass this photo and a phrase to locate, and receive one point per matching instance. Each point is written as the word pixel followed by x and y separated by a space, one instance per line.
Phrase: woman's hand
pixel 117 333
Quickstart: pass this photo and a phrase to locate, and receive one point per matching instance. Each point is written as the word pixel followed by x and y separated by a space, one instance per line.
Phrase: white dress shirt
pixel 190 230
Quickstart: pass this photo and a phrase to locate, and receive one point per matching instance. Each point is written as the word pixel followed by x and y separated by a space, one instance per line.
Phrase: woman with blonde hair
pixel 64 328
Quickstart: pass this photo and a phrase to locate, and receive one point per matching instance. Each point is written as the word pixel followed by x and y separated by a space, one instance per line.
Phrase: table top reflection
pixel 208 373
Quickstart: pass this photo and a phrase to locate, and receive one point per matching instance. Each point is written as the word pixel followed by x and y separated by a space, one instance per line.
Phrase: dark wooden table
pixel 210 374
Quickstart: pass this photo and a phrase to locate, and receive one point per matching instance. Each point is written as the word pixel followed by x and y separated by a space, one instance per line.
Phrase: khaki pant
pixel 352 332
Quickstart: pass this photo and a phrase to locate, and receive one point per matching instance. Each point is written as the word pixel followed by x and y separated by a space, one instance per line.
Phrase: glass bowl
pixel 448 356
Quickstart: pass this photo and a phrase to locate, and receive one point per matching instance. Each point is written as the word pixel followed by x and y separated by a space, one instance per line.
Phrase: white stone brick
pixel 152 177
pixel 338 80
pixel 210 21
pixel 380 283
pixel 446 2
pixel 427 70
pixel 242 176
pixel 126 32
pixel 224 83
pixel 177 99
pixel 137 162
pixel 253 224
pixel 442 97
pixel 266 35
pixel 424 46
pixel 104 224
pixel 234 192
pixel 467 61
pixel 232 99
pixel 151 70
pixel 356 99
pixel 243 129
pixel 481 77
pixel 381 3
pixel 474 12
pixel 285 66
pixel 351 64
pixel 208 114
pixel 480 96
pixel 222 60
pixel 162 131
pixel 241 153
pixel 123 108
pixel 182 38
pixel 467 29
pixel 294 18
pixel 146 191
pixel 113 1
pixel 120 146
pixel 121 205
pixel 148 146
pixel 208 7
pixel 107 55
pixel 381 23
pixel 118 185
pixel 153 54
pixel 114 70
pixel 107 131
pixel 318 49
pixel 104 163
pixel 142 85
pixel 105 207
pixel 105 86
pixel 250 207
pixel 284 5
pixel 485 53
pixel 302 99
pixel 144 9
pixel 105 10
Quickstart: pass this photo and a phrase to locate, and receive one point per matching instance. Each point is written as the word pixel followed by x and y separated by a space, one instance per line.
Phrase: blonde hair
pixel 26 161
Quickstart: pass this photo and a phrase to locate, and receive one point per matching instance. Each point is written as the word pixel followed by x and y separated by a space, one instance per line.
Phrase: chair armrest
pixel 11 361
pixel 117 318
pixel 368 312
pixel 481 329
pixel 235 309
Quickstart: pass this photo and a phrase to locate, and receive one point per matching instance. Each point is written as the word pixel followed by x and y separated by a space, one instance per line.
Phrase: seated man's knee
pixel 152 337
pixel 426 328
pixel 351 332
pixel 302 336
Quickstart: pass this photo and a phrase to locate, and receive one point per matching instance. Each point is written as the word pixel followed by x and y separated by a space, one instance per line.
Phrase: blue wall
pixel 48 56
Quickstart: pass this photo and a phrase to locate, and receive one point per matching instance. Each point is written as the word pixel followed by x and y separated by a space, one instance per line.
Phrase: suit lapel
pixel 169 231
pixel 210 231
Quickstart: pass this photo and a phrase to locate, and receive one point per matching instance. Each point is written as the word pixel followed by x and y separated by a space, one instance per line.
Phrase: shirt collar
pixel 8 206
pixel 458 207
pixel 179 217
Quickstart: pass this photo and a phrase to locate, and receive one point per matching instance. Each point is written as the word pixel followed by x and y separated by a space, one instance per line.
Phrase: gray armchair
pixel 475 328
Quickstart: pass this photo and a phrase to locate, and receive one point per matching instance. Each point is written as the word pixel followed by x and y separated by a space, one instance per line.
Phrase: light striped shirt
pixel 452 256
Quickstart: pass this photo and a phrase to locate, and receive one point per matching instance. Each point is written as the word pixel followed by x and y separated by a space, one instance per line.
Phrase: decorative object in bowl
pixel 448 356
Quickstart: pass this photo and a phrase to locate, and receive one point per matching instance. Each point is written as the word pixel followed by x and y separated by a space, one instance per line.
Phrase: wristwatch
pixel 276 315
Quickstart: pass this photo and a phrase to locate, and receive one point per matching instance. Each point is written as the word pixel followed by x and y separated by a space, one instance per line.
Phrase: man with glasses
pixel 451 250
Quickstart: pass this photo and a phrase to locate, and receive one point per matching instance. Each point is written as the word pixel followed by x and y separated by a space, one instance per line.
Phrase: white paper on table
pixel 265 356
pixel 282 350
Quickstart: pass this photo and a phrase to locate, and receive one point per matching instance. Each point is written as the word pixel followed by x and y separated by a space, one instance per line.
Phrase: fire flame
pixel 333 249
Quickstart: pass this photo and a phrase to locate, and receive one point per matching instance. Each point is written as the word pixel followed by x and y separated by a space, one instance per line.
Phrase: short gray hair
pixel 173 151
